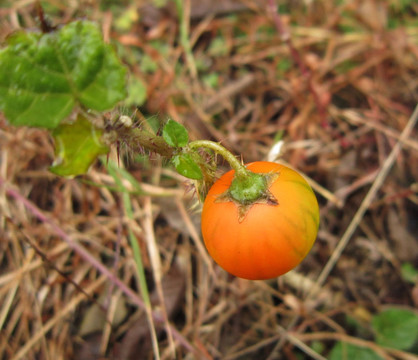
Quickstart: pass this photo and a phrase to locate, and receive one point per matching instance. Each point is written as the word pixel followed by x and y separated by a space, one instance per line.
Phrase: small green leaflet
pixel 186 166
pixel 77 145
pixel 43 76
pixel 175 134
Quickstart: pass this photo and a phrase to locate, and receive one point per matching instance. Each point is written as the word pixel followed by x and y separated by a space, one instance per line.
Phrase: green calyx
pixel 249 188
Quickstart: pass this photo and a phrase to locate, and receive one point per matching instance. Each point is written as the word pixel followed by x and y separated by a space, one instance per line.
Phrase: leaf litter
pixel 360 70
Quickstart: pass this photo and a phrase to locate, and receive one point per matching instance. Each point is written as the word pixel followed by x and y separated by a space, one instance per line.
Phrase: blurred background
pixel 333 82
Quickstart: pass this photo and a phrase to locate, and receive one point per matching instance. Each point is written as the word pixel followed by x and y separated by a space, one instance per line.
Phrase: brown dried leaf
pixel 94 318
pixel 374 14
pixel 405 243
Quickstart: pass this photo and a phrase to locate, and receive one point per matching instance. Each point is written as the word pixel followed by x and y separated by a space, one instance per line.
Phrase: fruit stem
pixel 240 170
pixel 139 140
pixel 247 187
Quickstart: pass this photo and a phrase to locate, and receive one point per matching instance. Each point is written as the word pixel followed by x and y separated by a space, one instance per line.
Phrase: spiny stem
pixel 139 140
pixel 240 170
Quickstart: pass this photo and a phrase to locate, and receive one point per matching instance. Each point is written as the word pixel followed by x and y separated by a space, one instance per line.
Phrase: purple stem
pixel 82 252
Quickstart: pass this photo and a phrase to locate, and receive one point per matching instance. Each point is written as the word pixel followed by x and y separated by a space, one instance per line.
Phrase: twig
pixel 50 263
pixel 355 118
pixel 286 38
pixel 382 351
pixel 356 220
pixel 154 255
pixel 387 165
pixel 194 234
pixel 137 256
pixel 300 344
pixel 183 11
pixel 23 350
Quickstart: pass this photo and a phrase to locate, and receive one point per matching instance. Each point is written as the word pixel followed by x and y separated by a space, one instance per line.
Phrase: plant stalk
pixel 140 140
pixel 240 170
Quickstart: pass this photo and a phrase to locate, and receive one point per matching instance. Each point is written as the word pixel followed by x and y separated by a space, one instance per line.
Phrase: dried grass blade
pixel 64 312
pixel 137 257
pixel 156 266
pixel 387 165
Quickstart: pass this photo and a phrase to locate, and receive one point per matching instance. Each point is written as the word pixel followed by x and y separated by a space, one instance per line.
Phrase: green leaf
pixel 218 47
pixel 409 273
pixel 211 80
pixel 125 21
pixel 77 145
pixel 148 64
pixel 344 351
pixel 396 328
pixel 43 76
pixel 175 134
pixel 284 65
pixel 186 166
pixel 137 92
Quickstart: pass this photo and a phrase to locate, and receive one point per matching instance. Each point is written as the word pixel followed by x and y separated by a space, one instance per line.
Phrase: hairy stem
pixel 240 170
pixel 140 140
